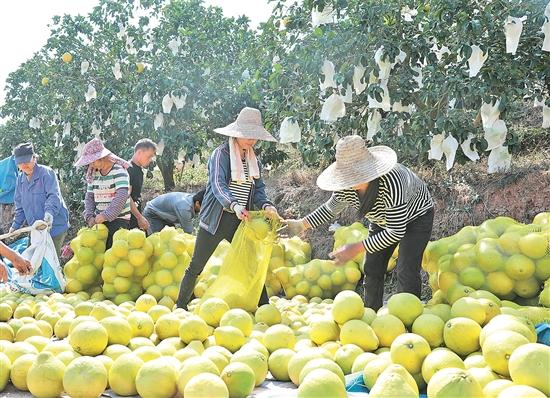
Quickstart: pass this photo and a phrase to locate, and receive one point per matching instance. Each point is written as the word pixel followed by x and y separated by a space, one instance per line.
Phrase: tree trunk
pixel 166 166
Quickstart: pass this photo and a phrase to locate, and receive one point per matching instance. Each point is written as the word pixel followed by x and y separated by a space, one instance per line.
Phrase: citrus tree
pixel 402 73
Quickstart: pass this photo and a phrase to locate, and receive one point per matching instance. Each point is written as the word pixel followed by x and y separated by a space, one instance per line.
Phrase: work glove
pixel 240 212
pixel 294 227
pixel 48 218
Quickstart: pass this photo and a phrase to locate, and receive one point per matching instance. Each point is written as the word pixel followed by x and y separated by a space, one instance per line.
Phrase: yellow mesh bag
pixel 243 272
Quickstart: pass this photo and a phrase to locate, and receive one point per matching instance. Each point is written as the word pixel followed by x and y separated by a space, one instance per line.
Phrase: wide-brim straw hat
pixel 92 151
pixel 248 125
pixel 356 164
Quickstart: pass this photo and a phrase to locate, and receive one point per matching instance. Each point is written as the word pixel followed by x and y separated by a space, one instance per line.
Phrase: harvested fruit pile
pixel 502 256
pixel 155 351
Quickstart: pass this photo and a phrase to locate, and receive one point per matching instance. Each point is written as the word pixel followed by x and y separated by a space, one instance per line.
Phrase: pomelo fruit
pixel 322 382
pixel 453 382
pixel 157 378
pixel 461 335
pixel 239 379
pixel 498 347
pixel 85 377
pixel 438 359
pixel 409 350
pixel 406 306
pixel 529 364
pixel 45 376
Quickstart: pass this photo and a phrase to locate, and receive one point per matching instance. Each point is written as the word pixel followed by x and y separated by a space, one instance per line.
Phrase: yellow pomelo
pixel 521 392
pixel 279 336
pixel 115 351
pixel 519 267
pixel 530 365
pixel 268 314
pixel 475 360
pixel 431 328
pixel 472 276
pixel 359 333
pixel 88 238
pixel 345 356
pixel 323 329
pixel 27 331
pixel 212 309
pixel 533 245
pixel 527 288
pixel 347 305
pixel 89 338
pixel 452 383
pixel 137 258
pixel 193 328
pixel 491 309
pixel 438 359
pixel 45 376
pixel 299 360
pixel 409 350
pixel 5 367
pixel 374 368
pixel 123 373
pixel 156 311
pixel 167 325
pixel 498 347
pixel 407 307
pixel 322 382
pixel 278 363
pixel 118 330
pixel 441 310
pixel 239 379
pixel 157 378
pixel 145 302
pixel 257 362
pixel 362 360
pixel 194 366
pixel 493 388
pixel 19 370
pixel 483 375
pixel 468 307
pixel 206 385
pixel 67 57
pixel 461 335
pixel 229 337
pixel 322 363
pixel 85 377
pixel 240 319
pixel 141 323
pixel 394 381
pixel 120 248
pixel 488 256
pixel 135 238
pixel 510 323
pixel 168 260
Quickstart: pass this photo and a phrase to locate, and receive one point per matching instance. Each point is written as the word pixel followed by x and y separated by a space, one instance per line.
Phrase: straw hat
pixel 248 125
pixel 92 151
pixel 356 164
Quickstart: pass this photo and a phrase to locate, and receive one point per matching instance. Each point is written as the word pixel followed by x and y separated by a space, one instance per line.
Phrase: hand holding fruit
pixel 347 253
pixel 271 211
pixel 3 273
pixel 100 219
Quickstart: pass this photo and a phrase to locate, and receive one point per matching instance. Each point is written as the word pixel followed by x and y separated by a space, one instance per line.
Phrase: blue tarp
pixel 354 381
pixel 8 178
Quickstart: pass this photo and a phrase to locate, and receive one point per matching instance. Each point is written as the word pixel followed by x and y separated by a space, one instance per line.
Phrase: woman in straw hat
pixel 107 199
pixel 394 200
pixel 234 187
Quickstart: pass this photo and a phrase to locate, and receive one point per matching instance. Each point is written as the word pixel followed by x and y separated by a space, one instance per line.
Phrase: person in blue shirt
pixel 173 208
pixel 37 196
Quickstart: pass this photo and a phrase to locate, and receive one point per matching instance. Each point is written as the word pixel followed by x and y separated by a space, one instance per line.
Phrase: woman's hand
pixel 3 273
pixel 143 223
pixel 22 265
pixel 100 219
pixel 347 253
pixel 91 222
pixel 241 212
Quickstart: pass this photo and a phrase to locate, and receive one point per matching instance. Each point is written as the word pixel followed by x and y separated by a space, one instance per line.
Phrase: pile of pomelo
pixel 476 347
pixel 502 256
pixel 126 263
pixel 83 270
pixel 172 252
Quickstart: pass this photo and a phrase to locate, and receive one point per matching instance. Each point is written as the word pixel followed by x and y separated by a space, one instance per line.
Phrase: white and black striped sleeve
pixel 326 212
pixel 393 232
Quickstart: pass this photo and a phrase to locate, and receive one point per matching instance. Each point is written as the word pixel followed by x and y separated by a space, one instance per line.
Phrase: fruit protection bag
pixel 46 276
pixel 242 275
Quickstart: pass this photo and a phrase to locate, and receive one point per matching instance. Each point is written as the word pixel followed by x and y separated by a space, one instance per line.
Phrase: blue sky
pixel 23 25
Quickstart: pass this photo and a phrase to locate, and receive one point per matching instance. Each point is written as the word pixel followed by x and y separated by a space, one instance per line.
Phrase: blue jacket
pixel 8 179
pixel 218 197
pixel 175 208
pixel 38 196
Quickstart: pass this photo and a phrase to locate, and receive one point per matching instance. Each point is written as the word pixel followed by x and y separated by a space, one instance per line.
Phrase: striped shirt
pixel 104 187
pixel 402 197
pixel 241 190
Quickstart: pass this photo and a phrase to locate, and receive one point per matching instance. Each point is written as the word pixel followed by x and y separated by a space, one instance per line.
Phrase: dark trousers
pixel 113 226
pixel 409 261
pixel 205 245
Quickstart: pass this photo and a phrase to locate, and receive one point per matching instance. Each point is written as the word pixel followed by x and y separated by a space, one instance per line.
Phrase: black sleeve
pixel 136 183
